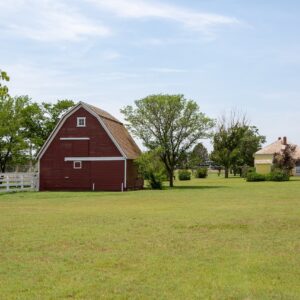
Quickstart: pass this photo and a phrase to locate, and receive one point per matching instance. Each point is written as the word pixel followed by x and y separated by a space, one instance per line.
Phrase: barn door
pixel 76 174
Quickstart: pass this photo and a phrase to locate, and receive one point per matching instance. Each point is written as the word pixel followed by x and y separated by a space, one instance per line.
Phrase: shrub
pixel 155 180
pixel 201 173
pixel 184 175
pixel 253 176
pixel 246 170
pixel 278 175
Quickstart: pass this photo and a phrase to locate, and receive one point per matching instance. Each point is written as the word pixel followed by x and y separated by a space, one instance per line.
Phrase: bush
pixel 201 173
pixel 155 180
pixel 246 170
pixel 253 177
pixel 278 175
pixel 184 175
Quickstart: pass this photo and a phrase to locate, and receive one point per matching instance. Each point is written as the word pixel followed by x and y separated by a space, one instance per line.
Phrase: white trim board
pixel 95 158
pixel 74 138
pixel 56 129
pixel 62 121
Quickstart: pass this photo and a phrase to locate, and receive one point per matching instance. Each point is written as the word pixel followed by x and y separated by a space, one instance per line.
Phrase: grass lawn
pixel 205 239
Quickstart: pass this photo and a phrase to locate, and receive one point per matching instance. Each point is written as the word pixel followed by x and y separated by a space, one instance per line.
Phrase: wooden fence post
pixel 7 182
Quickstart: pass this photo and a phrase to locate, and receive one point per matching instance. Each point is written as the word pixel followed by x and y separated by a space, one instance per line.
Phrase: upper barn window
pixel 81 122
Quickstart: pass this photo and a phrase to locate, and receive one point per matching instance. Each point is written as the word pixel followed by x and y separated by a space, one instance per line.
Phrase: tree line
pixel 169 126
pixel 24 125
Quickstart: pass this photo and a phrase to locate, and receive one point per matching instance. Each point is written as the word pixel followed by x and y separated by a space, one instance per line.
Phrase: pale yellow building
pixel 264 157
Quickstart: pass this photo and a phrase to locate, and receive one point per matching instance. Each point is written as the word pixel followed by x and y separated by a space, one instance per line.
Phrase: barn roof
pixel 275 148
pixel 113 127
pixel 119 132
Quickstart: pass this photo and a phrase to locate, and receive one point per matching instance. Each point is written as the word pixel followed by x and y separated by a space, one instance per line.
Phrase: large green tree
pixel 12 143
pixel 235 143
pixel 25 125
pixel 168 122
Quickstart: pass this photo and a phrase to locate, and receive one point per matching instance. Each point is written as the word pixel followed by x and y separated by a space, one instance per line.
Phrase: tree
pixel 12 143
pixel 52 112
pixel 3 87
pixel 285 160
pixel 251 141
pixel 25 125
pixel 198 155
pixel 151 168
pixel 235 143
pixel 170 123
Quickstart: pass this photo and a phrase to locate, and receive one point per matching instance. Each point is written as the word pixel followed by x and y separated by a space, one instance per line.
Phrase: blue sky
pixel 224 54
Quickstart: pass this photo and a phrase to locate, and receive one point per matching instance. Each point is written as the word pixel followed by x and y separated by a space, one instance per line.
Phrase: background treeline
pixel 24 126
pixel 169 126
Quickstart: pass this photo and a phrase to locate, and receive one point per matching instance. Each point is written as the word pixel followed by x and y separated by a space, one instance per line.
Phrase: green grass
pixel 205 239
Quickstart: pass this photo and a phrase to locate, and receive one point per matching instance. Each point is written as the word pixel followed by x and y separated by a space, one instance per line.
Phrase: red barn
pixel 89 150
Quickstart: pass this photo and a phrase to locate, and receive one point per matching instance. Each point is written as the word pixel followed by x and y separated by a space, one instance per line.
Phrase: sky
pixel 224 54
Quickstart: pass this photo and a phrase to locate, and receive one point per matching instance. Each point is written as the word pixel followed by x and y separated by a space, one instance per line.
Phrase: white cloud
pixel 138 9
pixel 111 55
pixel 168 70
pixel 49 21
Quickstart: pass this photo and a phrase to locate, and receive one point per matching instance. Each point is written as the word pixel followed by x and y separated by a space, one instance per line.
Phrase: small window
pixel 77 165
pixel 81 122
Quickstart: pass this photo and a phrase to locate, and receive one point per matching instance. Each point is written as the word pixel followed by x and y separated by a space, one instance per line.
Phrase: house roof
pixel 272 148
pixel 275 148
pixel 119 132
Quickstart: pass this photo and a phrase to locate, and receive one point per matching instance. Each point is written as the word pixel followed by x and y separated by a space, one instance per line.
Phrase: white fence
pixel 12 182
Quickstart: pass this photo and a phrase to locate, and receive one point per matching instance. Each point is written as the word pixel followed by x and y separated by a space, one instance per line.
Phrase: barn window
pixel 77 164
pixel 81 122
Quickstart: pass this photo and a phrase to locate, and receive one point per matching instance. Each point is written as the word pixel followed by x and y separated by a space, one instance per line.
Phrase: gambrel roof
pixel 119 132
pixel 114 128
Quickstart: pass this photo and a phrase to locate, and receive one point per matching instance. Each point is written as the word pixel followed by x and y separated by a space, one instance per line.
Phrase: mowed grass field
pixel 205 239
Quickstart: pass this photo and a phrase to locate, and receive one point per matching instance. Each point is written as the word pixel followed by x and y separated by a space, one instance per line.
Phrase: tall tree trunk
pixel 226 172
pixel 171 178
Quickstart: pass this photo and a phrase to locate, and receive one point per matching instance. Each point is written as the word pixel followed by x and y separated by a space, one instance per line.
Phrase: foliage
pixel 3 88
pixel 169 122
pixel 52 112
pixel 278 175
pixel 201 172
pixel 285 160
pixel 253 176
pixel 13 145
pixel 235 143
pixel 275 175
pixel 152 169
pixel 246 170
pixel 198 155
pixel 184 175
pixel 25 125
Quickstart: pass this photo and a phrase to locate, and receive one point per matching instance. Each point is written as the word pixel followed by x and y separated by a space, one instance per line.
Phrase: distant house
pixel 89 149
pixel 264 157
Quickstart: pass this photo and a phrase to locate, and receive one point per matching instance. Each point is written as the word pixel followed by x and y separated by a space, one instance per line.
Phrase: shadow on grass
pixel 196 187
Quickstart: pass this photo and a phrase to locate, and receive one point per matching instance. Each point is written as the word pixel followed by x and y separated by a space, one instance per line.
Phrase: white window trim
pixel 94 158
pixel 74 138
pixel 75 162
pixel 78 121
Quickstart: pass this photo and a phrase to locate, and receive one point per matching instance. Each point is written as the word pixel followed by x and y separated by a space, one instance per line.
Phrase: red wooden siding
pixel 58 174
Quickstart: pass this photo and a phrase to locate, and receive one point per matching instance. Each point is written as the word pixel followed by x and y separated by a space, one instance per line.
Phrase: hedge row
pixel 276 175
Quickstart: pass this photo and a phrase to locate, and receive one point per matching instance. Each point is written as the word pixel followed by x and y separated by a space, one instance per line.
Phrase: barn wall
pixel 56 174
